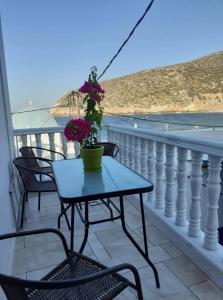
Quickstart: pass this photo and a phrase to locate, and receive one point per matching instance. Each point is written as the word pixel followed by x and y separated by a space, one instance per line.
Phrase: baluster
pixel 64 144
pixel 159 189
pixel 137 166
pixel 118 143
pixel 213 190
pixel 38 144
pixel 98 136
pixel 126 158
pixel 181 203
pixel 170 188
pixel 121 146
pixel 112 137
pixel 196 181
pixel 109 136
pixel 76 149
pixel 151 167
pixel 24 140
pixel 52 144
pixel 131 152
pixel 144 157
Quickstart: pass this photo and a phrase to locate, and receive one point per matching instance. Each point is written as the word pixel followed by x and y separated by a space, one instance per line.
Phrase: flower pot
pixel 92 158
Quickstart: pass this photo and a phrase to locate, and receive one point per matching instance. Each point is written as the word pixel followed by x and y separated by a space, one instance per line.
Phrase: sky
pixel 50 45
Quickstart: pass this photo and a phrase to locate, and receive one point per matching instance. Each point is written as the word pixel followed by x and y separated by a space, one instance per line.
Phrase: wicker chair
pixel 31 184
pixel 110 149
pixel 28 151
pixel 77 277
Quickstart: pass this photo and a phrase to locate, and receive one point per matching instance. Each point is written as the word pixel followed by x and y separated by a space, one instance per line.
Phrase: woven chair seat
pixel 42 186
pixel 75 267
pixel 46 169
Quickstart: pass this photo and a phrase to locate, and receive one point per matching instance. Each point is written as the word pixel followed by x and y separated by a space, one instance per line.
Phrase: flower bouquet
pixel 85 130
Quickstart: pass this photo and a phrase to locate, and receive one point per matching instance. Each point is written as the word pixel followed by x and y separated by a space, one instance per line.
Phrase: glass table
pixel 75 186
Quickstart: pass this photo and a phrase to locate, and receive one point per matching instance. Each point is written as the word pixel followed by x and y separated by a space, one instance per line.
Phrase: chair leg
pixel 39 199
pixel 63 212
pixel 24 199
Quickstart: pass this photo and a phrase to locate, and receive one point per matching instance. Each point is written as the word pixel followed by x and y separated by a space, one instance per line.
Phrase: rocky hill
pixel 190 86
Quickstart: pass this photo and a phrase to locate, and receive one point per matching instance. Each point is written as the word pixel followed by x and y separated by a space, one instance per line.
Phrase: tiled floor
pixel 179 277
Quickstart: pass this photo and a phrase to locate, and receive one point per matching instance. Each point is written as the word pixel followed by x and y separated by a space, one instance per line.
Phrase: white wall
pixel 6 153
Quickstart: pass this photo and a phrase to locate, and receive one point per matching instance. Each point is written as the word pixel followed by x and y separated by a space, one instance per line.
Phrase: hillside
pixel 190 86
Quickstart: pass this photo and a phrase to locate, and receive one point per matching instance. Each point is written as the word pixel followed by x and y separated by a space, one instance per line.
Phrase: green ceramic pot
pixel 92 158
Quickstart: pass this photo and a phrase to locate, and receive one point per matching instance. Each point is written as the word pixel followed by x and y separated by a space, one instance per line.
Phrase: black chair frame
pixel 19 286
pixel 33 172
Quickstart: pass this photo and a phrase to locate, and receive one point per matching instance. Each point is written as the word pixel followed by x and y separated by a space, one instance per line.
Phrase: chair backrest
pixel 26 171
pixel 28 151
pixel 110 149
pixel 13 288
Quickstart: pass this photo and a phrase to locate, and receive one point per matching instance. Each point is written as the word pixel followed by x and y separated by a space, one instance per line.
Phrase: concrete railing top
pixel 42 130
pixel 179 139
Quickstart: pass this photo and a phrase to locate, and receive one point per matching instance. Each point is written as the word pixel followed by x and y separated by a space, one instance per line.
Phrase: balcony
pixel 182 213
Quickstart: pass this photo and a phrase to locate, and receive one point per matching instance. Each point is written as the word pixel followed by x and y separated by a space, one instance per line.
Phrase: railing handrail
pixel 191 143
pixel 42 130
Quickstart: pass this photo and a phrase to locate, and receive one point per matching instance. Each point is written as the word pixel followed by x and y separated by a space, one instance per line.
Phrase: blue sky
pixel 50 45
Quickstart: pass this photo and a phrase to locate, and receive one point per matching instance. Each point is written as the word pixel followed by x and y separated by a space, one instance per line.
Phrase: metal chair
pixel 30 176
pixel 110 149
pixel 77 277
pixel 28 151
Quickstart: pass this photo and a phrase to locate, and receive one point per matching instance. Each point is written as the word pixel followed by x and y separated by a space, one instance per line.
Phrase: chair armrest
pixel 38 231
pixel 49 150
pixel 38 170
pixel 62 284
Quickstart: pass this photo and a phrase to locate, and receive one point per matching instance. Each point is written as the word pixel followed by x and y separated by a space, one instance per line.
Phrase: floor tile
pixel 115 241
pixel 172 250
pixel 154 235
pixel 97 247
pixel 185 270
pixel 37 257
pixel 207 291
pixel 171 287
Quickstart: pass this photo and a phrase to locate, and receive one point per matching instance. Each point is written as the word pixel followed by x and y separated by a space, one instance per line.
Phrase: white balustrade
pixel 120 143
pixel 64 145
pixel 159 187
pixel 213 188
pixel 38 143
pixel 125 150
pixel 179 191
pixel 151 166
pixel 170 193
pixel 110 136
pixel 24 140
pixel 52 144
pixel 131 152
pixel 137 164
pixel 181 202
pixel 194 229
pixel 144 157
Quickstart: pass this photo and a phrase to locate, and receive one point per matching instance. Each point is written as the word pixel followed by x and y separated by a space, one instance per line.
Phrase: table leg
pixel 72 227
pixel 144 254
pixel 86 227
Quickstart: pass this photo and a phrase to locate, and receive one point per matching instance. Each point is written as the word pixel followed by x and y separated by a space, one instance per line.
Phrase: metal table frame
pixel 74 200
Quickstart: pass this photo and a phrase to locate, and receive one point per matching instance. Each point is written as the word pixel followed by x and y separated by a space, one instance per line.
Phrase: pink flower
pixel 97 98
pixel 86 88
pixel 77 129
pixel 98 88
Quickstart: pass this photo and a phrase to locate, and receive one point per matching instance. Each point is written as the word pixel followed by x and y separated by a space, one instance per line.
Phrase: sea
pixel 162 121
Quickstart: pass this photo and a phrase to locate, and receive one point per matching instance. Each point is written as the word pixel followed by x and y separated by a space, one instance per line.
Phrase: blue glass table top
pixel 114 179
